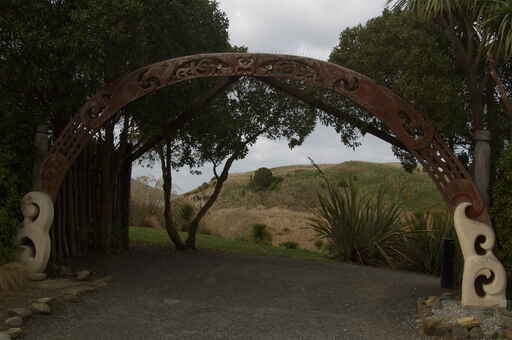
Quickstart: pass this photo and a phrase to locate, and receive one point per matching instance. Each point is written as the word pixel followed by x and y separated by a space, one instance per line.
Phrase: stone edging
pixel 69 290
pixel 444 317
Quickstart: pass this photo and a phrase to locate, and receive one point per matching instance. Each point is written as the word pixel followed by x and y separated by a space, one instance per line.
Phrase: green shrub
pixel 205 230
pixel 264 180
pixel 14 182
pixel 186 211
pixel 260 234
pixel 203 187
pixel 361 228
pixel 289 245
pixel 319 244
pixel 424 240
pixel 7 236
pixel 184 214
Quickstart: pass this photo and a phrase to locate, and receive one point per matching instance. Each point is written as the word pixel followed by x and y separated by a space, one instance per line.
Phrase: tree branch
pixel 501 87
pixel 172 126
pixel 194 225
pixel 315 102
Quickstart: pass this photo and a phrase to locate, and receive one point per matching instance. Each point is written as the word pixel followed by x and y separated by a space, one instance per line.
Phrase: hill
pixel 286 208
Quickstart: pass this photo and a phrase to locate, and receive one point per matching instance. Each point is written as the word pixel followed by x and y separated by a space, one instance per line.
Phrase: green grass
pixel 299 188
pixel 212 242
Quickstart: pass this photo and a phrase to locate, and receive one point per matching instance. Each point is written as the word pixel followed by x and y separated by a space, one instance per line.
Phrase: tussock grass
pixel 283 224
pixel 12 276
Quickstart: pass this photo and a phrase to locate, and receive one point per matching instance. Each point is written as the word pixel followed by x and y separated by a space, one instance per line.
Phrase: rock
pixel 23 313
pixel 422 309
pixel 429 326
pixel 80 290
pixel 447 295
pixel 41 308
pixel 468 322
pixel 459 332
pixel 37 276
pixel 5 336
pixel 505 320
pixel 476 333
pixel 434 302
pixel 70 298
pixel 14 332
pixel 14 321
pixel 99 283
pixel 83 275
pixel 45 300
pixel 435 327
pixel 54 284
pixel 507 333
pixel 443 329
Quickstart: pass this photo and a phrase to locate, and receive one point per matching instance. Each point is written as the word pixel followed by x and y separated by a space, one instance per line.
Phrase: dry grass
pixel 12 276
pixel 286 208
pixel 283 224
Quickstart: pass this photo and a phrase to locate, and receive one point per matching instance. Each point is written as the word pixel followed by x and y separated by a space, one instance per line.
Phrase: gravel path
pixel 157 294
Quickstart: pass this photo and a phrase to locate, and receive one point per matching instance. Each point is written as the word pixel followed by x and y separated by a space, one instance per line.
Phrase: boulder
pixel 14 321
pixel 40 308
pixel 14 333
pixel 23 313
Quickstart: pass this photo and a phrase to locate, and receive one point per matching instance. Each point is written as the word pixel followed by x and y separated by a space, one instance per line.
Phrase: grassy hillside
pixel 301 184
pixel 286 208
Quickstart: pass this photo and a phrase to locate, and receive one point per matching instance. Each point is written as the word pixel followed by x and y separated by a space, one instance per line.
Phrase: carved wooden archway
pixel 409 125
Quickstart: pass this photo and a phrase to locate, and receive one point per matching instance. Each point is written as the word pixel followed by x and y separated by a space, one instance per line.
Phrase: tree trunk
pixel 165 161
pixel 41 149
pixel 194 225
pixel 483 163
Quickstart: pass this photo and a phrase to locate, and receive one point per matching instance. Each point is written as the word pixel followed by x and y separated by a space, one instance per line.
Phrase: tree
pixel 477 31
pixel 224 133
pixel 54 54
pixel 412 58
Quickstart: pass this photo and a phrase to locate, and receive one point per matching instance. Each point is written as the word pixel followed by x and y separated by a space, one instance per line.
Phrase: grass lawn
pixel 149 235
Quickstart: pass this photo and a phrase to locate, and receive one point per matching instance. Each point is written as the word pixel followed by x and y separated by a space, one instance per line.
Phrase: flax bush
pixel 358 227
pixel 424 240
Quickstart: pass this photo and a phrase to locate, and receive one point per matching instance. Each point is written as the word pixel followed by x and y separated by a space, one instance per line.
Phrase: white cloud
pixel 302 27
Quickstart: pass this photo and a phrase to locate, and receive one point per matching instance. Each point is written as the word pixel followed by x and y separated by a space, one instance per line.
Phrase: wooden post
pixel 41 150
pixel 482 163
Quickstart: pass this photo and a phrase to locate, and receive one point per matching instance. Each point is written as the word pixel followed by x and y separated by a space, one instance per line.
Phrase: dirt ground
pixel 159 294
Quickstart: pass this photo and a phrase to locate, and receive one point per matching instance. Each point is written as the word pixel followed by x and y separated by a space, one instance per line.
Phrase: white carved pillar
pixel 33 236
pixel 477 265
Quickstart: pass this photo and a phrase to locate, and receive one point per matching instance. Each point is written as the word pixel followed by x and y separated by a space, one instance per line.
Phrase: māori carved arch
pixel 408 125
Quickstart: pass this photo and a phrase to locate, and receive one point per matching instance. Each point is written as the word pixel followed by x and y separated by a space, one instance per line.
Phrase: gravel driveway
pixel 158 294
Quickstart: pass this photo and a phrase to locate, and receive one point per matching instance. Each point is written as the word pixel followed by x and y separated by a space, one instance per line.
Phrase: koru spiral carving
pixel 33 237
pixel 484 279
pixel 409 125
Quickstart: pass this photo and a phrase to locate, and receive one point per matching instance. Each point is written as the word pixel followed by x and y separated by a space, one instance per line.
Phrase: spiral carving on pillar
pixel 489 291
pixel 33 237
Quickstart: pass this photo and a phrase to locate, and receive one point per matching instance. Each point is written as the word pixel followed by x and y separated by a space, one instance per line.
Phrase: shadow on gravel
pixel 159 294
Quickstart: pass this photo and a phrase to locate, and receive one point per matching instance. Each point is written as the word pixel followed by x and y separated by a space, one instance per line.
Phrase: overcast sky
pixel 308 28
